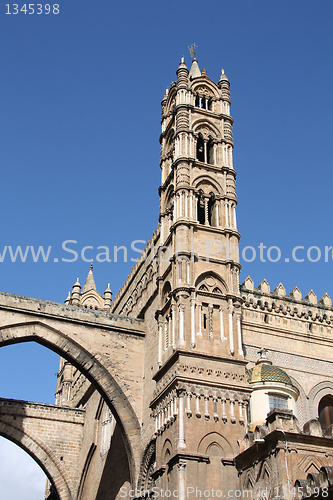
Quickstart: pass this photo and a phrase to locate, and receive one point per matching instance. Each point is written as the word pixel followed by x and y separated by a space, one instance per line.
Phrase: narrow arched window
pixel 325 412
pixel 200 148
pixel 211 214
pixel 210 152
pixel 201 208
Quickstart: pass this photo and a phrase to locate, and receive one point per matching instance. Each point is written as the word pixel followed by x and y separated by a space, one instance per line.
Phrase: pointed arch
pixel 210 281
pixel 205 86
pixel 42 455
pixel 93 369
pixel 207 128
pixel 207 184
pixel 216 439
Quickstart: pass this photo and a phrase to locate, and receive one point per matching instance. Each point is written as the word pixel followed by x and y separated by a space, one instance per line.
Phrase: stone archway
pixel 43 456
pixel 98 365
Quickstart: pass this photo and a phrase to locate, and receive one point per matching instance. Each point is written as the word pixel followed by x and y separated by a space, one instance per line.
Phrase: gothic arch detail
pixel 207 184
pixel 205 87
pixel 145 480
pixel 216 439
pixel 55 471
pixel 317 392
pixel 91 367
pixel 206 128
pixel 212 283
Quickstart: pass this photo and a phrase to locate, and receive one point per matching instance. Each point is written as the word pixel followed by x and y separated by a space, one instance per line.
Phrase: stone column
pixel 206 212
pixel 231 328
pixel 206 407
pixel 226 213
pixel 210 320
pixel 224 415
pixel 181 309
pixel 186 204
pixel 160 345
pixel 191 205
pixel 200 318
pixel 193 322
pixel 181 480
pixel 173 325
pixel 188 404
pixel 197 405
pixel 234 213
pixel 217 213
pixel 181 420
pixel 222 337
pixel 232 410
pixel 239 334
pixel 166 335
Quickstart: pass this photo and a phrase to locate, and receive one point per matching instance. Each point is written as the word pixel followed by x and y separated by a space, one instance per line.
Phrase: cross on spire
pixel 192 48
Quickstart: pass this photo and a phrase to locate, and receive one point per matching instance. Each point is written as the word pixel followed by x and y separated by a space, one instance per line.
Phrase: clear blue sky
pixel 79 128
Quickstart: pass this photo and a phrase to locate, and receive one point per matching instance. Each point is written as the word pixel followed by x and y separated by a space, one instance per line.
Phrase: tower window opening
pixel 201 209
pixel 205 321
pixel 210 152
pixel 266 318
pixel 325 412
pixel 200 149
pixel 211 212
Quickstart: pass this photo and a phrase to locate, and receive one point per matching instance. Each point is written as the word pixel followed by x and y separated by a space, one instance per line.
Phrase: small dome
pixel 266 372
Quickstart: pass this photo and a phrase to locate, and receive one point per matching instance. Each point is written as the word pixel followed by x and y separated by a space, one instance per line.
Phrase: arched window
pixel 210 152
pixel 211 214
pixel 200 148
pixel 325 411
pixel 201 208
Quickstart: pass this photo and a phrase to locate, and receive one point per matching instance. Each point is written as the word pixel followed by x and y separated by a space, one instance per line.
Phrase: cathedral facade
pixel 187 384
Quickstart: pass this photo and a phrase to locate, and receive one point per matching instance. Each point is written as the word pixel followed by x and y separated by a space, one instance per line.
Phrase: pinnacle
pixel 90 282
pixel 223 76
pixel 195 70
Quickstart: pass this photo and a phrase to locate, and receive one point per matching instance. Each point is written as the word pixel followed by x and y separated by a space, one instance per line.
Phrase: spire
pixel 107 298
pixel 182 63
pixel 90 282
pixel 223 77
pixel 68 300
pixel 75 297
pixel 195 70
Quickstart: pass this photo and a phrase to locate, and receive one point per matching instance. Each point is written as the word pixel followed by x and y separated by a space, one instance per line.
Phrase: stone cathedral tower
pixel 201 391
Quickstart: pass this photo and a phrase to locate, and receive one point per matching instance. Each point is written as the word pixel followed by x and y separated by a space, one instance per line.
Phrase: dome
pixel 266 372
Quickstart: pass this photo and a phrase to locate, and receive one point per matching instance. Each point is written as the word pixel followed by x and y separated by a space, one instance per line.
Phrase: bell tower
pixel 198 213
pixel 201 395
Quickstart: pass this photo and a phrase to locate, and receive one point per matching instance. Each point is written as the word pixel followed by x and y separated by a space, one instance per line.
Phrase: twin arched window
pixel 206 213
pixel 203 103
